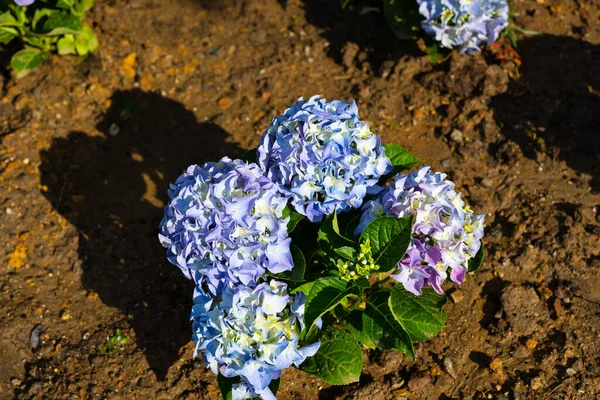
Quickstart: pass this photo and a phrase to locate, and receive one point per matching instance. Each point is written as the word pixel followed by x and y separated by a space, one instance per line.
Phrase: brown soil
pixel 88 149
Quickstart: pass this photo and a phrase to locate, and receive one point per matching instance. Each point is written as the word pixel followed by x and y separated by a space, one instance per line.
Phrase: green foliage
pixel 421 316
pixel 403 17
pixel 339 359
pixel 114 343
pixel 47 26
pixel 475 262
pixel 389 238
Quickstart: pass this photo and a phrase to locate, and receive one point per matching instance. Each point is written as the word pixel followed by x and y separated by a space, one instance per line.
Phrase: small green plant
pixel 114 343
pixel 45 27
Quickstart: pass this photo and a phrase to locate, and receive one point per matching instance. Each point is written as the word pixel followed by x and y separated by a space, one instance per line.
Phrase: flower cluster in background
pixel 322 156
pixel 24 2
pixel 446 233
pixel 466 24
pixel 225 221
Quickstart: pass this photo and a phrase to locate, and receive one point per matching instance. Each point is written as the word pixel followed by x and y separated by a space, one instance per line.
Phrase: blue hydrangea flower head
pixel 322 156
pixel 24 2
pixel 225 221
pixel 466 24
pixel 446 233
pixel 251 334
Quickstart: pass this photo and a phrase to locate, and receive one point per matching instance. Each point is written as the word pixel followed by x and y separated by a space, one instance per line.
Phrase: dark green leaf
pixel 475 262
pixel 354 322
pixel 295 218
pixel 329 238
pixel 362 283
pixel 339 359
pixel 225 385
pixel 421 316
pixel 274 386
pixel 382 327
pixel 389 237
pixel 323 295
pixel 61 23
pixel 64 4
pixel 403 17
pixel 25 60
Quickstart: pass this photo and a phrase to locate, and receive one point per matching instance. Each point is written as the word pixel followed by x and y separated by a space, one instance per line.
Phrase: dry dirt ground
pixel 88 148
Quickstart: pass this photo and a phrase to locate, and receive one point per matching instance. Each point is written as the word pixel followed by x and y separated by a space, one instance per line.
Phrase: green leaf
pixel 475 262
pixel 403 17
pixel 66 45
pixel 401 158
pixel 389 237
pixel 421 316
pixel 61 23
pixel 274 386
pixel 7 34
pixel 339 359
pixel 86 41
pixel 83 5
pixel 323 295
pixel 346 252
pixel 382 327
pixel 7 19
pixel 355 323
pixel 225 385
pixel 64 4
pixel 25 60
pixel 297 273
pixel 329 238
pixel 295 218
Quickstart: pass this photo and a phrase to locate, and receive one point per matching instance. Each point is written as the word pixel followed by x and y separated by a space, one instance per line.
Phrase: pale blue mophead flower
pixel 24 2
pixel 250 333
pixel 466 24
pixel 322 156
pixel 446 233
pixel 224 220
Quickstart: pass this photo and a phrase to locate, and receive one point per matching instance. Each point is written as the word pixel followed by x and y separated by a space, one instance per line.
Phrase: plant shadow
pixel 370 32
pixel 554 106
pixel 112 188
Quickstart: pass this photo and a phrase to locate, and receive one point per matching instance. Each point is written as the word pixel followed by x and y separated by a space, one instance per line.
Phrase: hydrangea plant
pixel 44 27
pixel 323 247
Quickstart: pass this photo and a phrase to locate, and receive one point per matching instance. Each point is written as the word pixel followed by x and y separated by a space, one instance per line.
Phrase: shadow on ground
pixel 370 32
pixel 112 189
pixel 555 106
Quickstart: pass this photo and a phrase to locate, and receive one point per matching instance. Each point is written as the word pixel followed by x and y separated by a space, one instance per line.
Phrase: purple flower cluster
pixel 24 2
pixel 466 24
pixel 225 221
pixel 446 233
pixel 322 156
pixel 251 334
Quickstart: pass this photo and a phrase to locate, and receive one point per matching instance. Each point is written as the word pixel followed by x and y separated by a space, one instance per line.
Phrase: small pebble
pixel 114 129
pixel 64 315
pixel 486 182
pixel 15 382
pixel 419 381
pixel 8 210
pixel 457 296
pixel 571 371
pixel 26 161
pixel 34 337
pixel 224 102
pixel 457 136
pixel 446 162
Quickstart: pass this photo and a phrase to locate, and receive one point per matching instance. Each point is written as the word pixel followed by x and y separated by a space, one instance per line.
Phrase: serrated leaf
pixel 403 17
pixel 354 322
pixel 25 60
pixel 339 359
pixel 389 237
pixel 421 316
pixel 7 34
pixel 61 23
pixel 323 295
pixel 475 262
pixel 401 158
pixel 382 327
